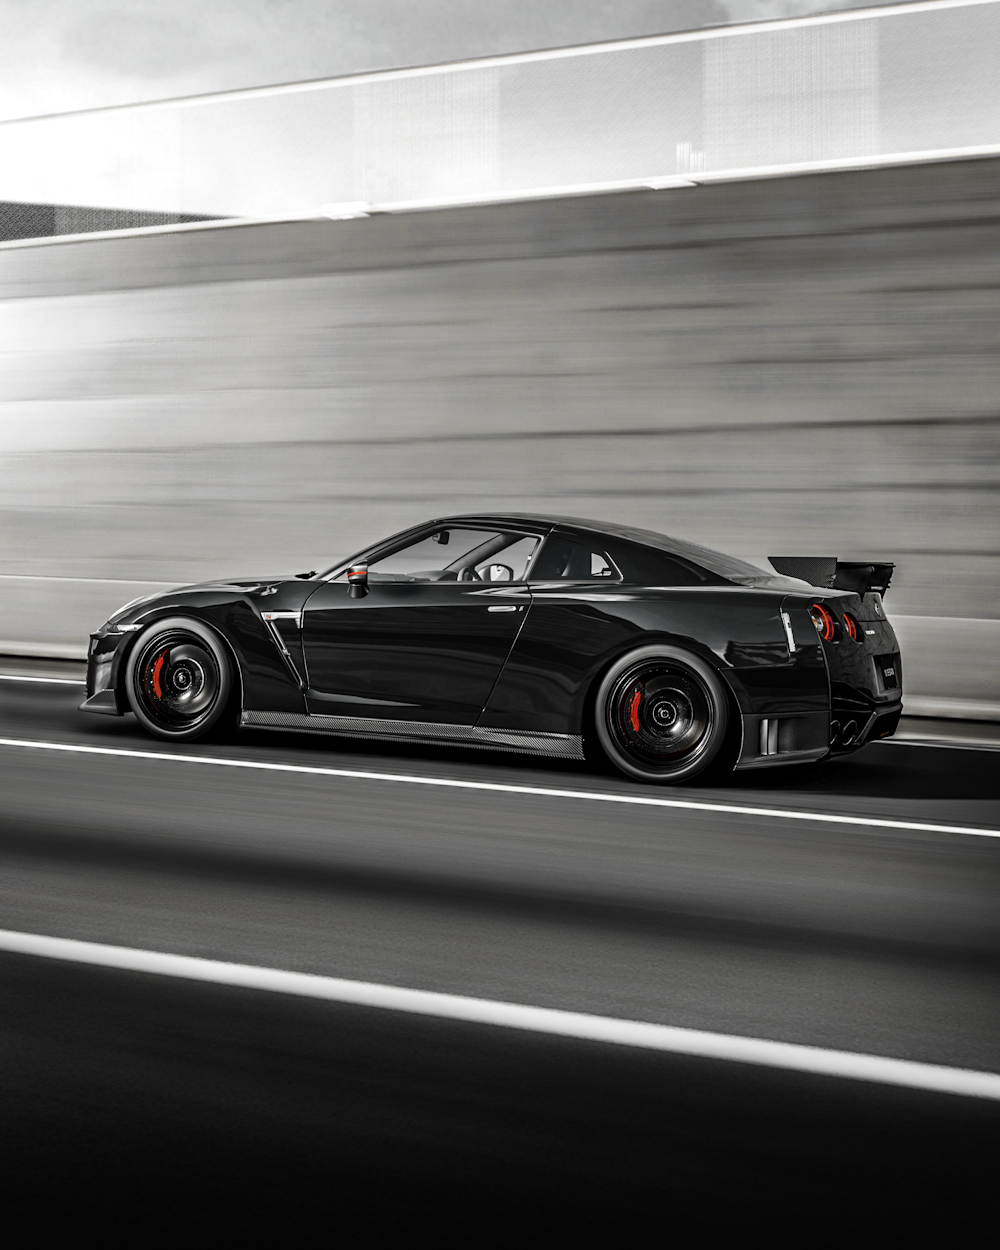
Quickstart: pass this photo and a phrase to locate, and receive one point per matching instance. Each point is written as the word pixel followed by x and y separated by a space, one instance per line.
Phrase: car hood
pixel 285 586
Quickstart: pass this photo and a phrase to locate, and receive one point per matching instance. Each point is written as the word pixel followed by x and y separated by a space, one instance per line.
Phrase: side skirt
pixel 524 741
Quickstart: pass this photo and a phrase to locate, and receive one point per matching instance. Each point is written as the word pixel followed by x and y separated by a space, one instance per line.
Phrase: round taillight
pixel 823 621
pixel 852 627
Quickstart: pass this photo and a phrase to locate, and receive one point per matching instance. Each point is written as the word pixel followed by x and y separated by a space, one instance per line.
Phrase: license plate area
pixel 887 672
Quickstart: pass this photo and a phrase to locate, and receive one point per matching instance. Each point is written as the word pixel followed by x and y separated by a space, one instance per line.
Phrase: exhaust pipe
pixel 848 733
pixel 834 732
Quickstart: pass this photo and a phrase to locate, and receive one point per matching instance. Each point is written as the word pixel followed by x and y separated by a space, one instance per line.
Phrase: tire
pixel 661 715
pixel 179 681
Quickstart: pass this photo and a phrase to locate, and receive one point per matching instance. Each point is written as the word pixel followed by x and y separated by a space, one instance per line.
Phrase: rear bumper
pixel 796 738
pixel 803 737
pixel 885 723
pixel 854 724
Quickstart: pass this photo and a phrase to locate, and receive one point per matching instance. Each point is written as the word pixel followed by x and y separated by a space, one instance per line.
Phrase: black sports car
pixel 539 634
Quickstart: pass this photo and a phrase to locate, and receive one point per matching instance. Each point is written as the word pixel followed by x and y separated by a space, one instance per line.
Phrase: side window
pixel 644 566
pixel 438 557
pixel 561 559
pixel 510 563
pixel 450 555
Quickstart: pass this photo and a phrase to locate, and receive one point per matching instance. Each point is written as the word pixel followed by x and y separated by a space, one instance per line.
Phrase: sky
pixel 64 55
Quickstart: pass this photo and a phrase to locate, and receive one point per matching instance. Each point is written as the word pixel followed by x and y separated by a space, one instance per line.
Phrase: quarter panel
pixel 865 672
pixel 573 633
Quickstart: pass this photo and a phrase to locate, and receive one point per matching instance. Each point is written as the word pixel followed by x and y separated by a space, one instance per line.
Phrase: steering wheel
pixel 468 574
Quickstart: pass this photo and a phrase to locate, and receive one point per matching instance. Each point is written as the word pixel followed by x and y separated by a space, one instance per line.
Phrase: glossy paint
pixel 410 651
pixel 309 656
pixel 235 611
pixel 858 689
pixel 573 632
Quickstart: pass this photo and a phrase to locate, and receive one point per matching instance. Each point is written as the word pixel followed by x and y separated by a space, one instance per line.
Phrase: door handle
pixel 502 607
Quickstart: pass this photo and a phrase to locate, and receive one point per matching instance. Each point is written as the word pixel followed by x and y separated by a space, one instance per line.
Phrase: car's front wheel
pixel 179 680
pixel 661 714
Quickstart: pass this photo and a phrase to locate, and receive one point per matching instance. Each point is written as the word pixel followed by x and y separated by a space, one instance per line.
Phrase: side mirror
pixel 499 573
pixel 357 580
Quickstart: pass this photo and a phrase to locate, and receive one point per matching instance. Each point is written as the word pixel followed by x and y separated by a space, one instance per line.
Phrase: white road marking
pixel 594 796
pixel 948 744
pixel 104 581
pixel 51 681
pixel 681 1041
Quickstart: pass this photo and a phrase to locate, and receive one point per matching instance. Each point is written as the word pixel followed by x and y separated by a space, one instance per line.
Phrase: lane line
pixel 104 581
pixel 967 744
pixel 594 796
pixel 51 681
pixel 754 1050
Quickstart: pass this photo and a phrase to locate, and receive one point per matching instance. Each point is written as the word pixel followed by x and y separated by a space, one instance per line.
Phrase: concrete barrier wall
pixel 791 366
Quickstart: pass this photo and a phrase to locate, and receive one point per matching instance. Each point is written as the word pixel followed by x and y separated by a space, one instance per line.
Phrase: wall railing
pixel 909 81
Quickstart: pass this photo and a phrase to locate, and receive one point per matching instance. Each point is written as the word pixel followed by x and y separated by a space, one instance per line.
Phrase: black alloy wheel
pixel 179 680
pixel 661 714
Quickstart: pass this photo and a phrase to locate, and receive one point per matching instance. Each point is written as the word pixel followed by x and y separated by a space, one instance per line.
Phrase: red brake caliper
pixel 633 710
pixel 156 674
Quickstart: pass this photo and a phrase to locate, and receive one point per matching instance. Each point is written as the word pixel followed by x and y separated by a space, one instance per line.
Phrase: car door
pixel 428 640
pixel 585 590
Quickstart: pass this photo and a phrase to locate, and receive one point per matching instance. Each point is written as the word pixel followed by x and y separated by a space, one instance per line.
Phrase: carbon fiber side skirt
pixel 525 741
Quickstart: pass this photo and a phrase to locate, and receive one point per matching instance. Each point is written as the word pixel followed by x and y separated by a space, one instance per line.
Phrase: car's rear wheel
pixel 179 681
pixel 661 714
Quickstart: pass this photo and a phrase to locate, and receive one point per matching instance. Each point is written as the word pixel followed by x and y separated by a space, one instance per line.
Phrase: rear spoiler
pixel 837 574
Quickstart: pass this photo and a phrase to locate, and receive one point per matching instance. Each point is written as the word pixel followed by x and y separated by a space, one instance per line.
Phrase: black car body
pixel 524 633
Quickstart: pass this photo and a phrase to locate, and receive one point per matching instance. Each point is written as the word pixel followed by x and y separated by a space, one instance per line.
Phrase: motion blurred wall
pixel 788 364
pixel 805 364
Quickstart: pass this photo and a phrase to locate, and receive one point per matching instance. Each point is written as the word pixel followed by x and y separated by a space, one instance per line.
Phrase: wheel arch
pixel 739 703
pixel 169 612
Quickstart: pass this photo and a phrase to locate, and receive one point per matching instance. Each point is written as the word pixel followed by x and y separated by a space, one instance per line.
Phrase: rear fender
pixel 567 645
pixel 736 694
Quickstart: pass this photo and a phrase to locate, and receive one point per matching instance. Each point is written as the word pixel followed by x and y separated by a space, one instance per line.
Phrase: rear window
pixel 561 559
pixel 728 567
pixel 646 567
pixel 566 559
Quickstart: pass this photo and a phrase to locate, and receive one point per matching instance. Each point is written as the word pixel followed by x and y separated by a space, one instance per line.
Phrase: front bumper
pixel 104 702
pixel 105 656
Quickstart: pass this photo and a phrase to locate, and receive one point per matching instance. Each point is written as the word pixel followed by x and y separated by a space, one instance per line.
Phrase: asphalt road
pixel 853 937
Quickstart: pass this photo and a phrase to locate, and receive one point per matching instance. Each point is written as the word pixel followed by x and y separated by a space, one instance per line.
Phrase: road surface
pixel 748 914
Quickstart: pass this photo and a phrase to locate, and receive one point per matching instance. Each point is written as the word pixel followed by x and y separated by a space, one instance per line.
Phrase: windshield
pixel 454 553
